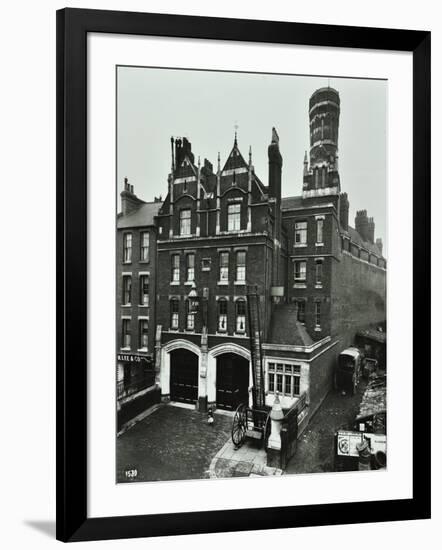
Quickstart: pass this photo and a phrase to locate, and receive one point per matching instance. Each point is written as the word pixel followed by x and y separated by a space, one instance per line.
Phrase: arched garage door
pixel 183 376
pixel 232 381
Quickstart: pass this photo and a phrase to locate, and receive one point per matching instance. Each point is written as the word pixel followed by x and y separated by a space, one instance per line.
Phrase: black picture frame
pixel 73 25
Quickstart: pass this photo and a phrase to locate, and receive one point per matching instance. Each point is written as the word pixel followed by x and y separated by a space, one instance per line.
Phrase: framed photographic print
pixel 243 262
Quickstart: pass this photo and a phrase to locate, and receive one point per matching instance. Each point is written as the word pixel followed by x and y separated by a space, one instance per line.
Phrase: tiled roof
pixel 287 203
pixel 286 329
pixel 143 216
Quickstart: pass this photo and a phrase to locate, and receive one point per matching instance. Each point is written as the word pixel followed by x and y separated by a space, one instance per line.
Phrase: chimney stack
pixel 371 226
pixel 129 201
pixel 361 224
pixel 379 244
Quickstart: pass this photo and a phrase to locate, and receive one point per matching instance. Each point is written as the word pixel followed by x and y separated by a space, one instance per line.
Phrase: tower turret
pixel 322 176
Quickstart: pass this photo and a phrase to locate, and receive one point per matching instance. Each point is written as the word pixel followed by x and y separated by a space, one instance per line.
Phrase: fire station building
pixel 222 233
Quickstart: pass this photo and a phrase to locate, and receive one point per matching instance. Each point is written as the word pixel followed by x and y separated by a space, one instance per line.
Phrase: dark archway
pixel 183 376
pixel 232 381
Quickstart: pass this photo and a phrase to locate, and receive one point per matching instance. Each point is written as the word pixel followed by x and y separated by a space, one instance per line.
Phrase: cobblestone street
pixel 172 443
pixel 315 452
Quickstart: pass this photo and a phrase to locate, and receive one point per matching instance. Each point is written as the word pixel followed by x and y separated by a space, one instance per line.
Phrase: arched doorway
pixel 232 381
pixel 183 376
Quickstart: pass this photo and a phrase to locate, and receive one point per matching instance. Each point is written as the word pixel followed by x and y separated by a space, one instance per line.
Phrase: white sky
pixel 155 104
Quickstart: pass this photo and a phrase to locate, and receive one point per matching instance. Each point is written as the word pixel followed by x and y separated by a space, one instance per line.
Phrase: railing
pixel 136 384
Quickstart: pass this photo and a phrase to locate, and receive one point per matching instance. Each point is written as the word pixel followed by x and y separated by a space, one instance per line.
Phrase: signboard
pixel 347 442
pixel 132 358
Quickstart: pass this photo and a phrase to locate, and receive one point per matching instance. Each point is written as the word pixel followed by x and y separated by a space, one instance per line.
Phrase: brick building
pixel 136 276
pixel 222 231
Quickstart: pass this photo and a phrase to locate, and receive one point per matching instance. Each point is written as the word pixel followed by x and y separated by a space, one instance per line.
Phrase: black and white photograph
pixel 251 274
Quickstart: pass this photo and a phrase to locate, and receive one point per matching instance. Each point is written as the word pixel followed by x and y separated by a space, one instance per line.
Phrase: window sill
pixel 300 285
pixel 318 329
pixel 143 305
pixel 174 283
pixel 300 245
pixel 142 350
pixel 319 244
pixel 125 349
pixel 127 263
pixel 222 283
pixel 126 305
pixel 242 334
pixel 144 261
pixel 221 333
pixel 239 283
pixel 318 286
pixel 205 269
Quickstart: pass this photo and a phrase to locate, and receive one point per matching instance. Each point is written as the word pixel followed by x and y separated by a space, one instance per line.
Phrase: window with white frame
pixel 222 315
pixel 126 333
pixel 127 290
pixel 241 266
pixel 174 314
pixel 190 316
pixel 190 267
pixel 234 217
pixel 144 246
pixel 127 248
pixel 144 290
pixel 284 379
pixel 300 233
pixel 320 230
pixel 223 266
pixel 319 272
pixel 318 314
pixel 144 333
pixel 185 222
pixel 240 316
pixel 300 270
pixel 175 260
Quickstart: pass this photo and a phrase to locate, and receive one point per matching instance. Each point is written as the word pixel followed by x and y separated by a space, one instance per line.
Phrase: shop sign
pixel 131 358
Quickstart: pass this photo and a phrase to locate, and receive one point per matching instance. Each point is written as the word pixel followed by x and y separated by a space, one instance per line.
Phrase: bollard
pixel 276 416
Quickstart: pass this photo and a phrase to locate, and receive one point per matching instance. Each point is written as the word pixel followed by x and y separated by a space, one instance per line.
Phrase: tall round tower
pixel 321 175
pixel 324 110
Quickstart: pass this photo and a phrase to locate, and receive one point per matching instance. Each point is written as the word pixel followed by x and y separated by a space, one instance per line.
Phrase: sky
pixel 207 106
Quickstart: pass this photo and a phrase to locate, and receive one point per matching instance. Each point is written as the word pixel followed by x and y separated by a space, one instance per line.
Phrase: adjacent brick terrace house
pixel 222 230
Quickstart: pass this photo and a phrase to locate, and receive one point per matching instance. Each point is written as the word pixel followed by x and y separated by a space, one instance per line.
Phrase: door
pixel 183 376
pixel 232 381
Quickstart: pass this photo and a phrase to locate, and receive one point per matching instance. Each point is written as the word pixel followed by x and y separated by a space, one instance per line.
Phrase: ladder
pixel 258 395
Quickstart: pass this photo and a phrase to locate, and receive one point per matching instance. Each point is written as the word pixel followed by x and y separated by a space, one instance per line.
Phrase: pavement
pixel 250 460
pixel 174 442
pixel 171 443
pixel 315 450
pixel 177 443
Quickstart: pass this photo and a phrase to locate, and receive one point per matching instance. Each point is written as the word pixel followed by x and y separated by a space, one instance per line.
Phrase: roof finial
pixel 219 162
pixel 250 155
pixel 236 134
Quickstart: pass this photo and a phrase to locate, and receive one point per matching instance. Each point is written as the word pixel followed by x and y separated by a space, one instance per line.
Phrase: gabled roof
pixel 235 159
pixel 142 217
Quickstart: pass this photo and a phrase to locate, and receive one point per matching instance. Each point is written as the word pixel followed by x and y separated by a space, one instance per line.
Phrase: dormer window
pixel 185 222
